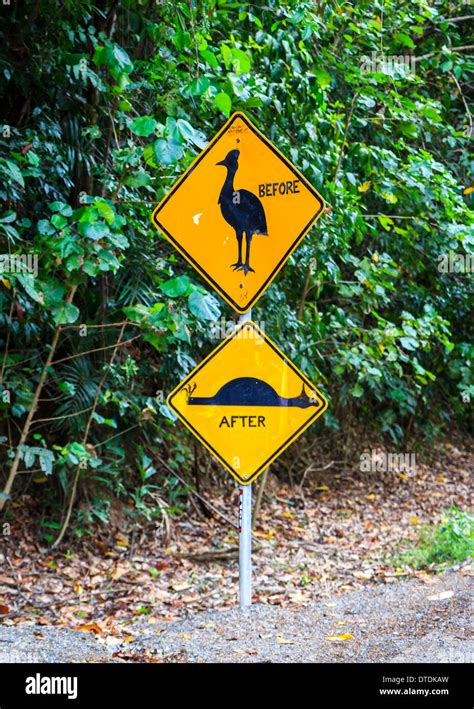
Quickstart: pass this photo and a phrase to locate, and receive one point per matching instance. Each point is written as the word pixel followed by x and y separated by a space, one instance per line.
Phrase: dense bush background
pixel 104 105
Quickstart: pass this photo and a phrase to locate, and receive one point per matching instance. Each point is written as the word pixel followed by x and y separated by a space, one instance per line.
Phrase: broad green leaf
pixel 182 39
pixel 145 125
pixel 357 391
pixel 61 207
pixel 45 227
pixel 12 171
pixel 405 39
pixel 223 103
pixel 204 307
pixel 323 77
pixel 53 291
pixel 8 217
pixel 409 343
pixel 58 221
pixel 65 313
pixel 241 61
pixel 106 211
pixel 140 179
pixel 46 460
pixel 199 86
pixel 29 284
pixel 123 60
pixel 94 230
pixel 176 287
pixel 167 151
pixel 191 135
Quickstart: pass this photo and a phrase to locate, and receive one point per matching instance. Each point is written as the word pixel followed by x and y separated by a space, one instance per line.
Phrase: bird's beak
pixel 222 162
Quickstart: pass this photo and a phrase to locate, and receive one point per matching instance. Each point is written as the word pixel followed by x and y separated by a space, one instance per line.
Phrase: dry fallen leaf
pixel 265 535
pixel 364 575
pixel 91 628
pixel 4 610
pixel 181 586
pixel 441 596
pixel 298 596
pixel 338 638
pixel 119 571
pixel 239 651
pixel 283 641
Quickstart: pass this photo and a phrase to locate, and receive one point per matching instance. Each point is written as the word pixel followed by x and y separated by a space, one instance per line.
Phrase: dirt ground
pixel 325 565
pixel 409 621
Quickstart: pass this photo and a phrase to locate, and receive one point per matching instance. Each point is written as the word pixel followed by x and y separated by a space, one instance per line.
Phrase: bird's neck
pixel 228 186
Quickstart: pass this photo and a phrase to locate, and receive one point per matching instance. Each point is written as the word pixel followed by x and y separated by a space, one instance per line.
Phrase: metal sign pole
pixel 245 547
pixel 245 540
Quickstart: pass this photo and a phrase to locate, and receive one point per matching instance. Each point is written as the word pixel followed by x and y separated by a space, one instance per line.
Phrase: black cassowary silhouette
pixel 249 391
pixel 242 210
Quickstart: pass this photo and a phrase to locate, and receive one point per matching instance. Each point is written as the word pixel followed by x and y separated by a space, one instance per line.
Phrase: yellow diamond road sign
pixel 238 212
pixel 246 402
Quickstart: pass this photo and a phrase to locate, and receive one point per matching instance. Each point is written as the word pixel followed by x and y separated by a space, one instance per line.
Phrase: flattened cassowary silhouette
pixel 242 210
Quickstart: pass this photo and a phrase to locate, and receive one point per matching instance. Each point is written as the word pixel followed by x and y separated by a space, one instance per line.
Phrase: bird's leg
pixel 237 266
pixel 246 267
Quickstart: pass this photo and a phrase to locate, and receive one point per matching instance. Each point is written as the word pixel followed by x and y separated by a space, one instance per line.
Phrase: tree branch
pixel 32 411
pixel 84 440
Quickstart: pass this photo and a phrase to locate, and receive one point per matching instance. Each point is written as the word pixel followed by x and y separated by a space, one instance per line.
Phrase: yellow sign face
pixel 246 402
pixel 238 212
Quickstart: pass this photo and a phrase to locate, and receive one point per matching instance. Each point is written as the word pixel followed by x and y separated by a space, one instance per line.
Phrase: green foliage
pixel 449 541
pixel 106 104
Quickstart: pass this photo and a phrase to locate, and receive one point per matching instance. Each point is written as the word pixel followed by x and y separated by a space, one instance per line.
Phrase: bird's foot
pixel 237 266
pixel 246 268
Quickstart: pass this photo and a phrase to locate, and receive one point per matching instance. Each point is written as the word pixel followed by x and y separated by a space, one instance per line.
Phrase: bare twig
pixel 85 437
pixel 66 416
pixel 258 499
pixel 193 492
pixel 344 137
pixel 464 48
pixel 5 354
pixel 98 349
pixel 193 30
pixel 116 435
pixel 101 325
pixel 305 291
pixel 32 411
pixel 214 554
pixel 468 111
pixel 465 18
pixel 311 469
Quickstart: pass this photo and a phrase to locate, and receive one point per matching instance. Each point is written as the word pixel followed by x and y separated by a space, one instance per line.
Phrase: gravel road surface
pixel 406 621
